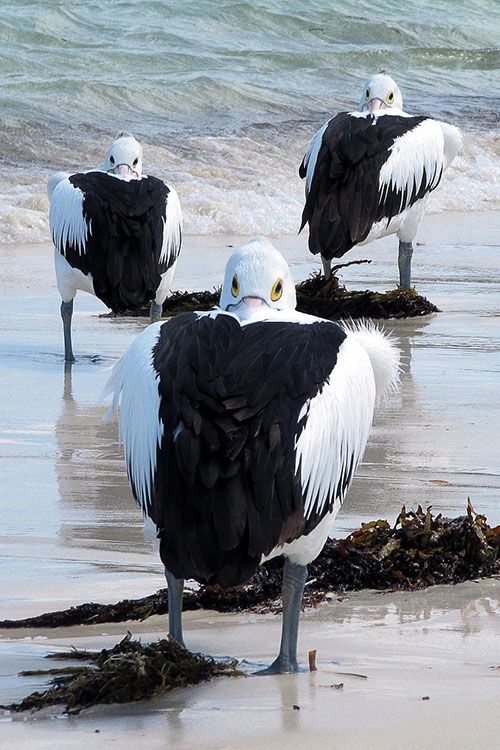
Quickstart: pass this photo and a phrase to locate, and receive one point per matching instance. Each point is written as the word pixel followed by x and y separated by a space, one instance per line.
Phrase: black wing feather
pixel 226 491
pixel 344 200
pixel 124 245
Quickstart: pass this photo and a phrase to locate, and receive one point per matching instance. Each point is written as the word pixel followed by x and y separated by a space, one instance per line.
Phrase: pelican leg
pixel 66 315
pixel 155 312
pixel 404 262
pixel 294 578
pixel 327 268
pixel 175 591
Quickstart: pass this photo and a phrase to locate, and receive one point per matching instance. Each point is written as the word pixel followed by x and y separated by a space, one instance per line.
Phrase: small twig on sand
pixel 312 661
pixel 336 268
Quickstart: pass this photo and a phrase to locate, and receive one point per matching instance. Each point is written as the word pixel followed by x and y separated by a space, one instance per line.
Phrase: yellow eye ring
pixel 277 290
pixel 235 286
pixel 390 97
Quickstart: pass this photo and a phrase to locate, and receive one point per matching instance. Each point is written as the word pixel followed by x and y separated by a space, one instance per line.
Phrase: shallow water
pixel 69 529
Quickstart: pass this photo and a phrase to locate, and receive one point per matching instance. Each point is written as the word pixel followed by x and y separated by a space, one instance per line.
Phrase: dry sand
pixel 69 531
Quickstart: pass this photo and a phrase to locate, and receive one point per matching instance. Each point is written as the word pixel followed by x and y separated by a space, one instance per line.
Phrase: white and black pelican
pixel 370 173
pixel 243 428
pixel 117 234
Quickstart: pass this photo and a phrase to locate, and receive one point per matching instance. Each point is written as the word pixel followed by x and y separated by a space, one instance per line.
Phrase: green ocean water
pixel 224 95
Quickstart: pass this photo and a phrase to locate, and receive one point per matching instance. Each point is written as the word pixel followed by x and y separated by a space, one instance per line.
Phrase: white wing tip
pixel 453 141
pixel 114 389
pixel 54 181
pixel 383 353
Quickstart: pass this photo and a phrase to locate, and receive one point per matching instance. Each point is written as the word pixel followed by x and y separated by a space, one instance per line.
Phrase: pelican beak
pixel 248 307
pixel 253 301
pixel 247 302
pixel 124 171
pixel 375 104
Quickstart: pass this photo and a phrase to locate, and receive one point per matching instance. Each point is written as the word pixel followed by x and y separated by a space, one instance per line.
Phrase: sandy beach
pixel 70 531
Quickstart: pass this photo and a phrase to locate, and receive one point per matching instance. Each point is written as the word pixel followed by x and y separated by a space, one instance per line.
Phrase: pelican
pixel 370 173
pixel 117 234
pixel 242 429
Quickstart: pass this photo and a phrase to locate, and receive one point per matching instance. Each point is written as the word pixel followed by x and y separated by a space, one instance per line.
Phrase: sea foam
pixel 241 185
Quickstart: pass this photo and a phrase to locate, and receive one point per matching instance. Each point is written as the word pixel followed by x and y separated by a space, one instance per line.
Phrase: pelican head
pixel 257 277
pixel 380 92
pixel 124 157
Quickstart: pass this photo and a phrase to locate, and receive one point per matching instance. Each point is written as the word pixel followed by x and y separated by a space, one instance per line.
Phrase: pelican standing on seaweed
pixel 370 173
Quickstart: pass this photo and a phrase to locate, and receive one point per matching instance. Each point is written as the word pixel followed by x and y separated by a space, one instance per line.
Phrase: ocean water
pixel 225 95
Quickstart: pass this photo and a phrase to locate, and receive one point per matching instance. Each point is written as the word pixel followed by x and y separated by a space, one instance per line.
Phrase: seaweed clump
pixel 331 300
pixel 419 550
pixel 92 613
pixel 127 672
pixel 316 296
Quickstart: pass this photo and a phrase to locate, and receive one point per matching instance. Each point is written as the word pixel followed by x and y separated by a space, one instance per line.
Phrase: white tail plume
pixel 383 352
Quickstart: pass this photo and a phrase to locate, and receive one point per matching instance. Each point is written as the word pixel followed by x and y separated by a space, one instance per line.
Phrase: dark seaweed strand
pixel 419 550
pixel 128 672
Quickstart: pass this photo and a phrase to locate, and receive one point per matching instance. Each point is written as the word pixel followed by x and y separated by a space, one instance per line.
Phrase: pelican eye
pixel 135 162
pixel 367 93
pixel 111 159
pixel 390 97
pixel 235 286
pixel 277 290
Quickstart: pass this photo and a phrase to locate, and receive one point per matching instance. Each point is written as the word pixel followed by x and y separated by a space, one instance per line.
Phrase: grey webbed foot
pixel 281 665
pixel 294 578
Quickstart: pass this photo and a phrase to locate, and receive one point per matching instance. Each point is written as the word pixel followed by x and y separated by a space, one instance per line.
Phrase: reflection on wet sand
pixel 469 604
pixel 98 509
pixel 369 496
pixel 290 705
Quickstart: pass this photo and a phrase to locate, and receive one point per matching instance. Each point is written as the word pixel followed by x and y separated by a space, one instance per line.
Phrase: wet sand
pixel 425 659
pixel 70 532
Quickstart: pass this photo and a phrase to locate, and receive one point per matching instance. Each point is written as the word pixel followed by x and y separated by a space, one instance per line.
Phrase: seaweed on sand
pixel 316 296
pixel 127 672
pixel 419 550
pixel 333 301
pixel 92 613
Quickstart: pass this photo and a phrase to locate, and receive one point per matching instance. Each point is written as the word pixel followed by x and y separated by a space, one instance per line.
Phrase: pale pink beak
pixel 248 307
pixel 375 104
pixel 247 302
pixel 253 301
pixel 124 171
